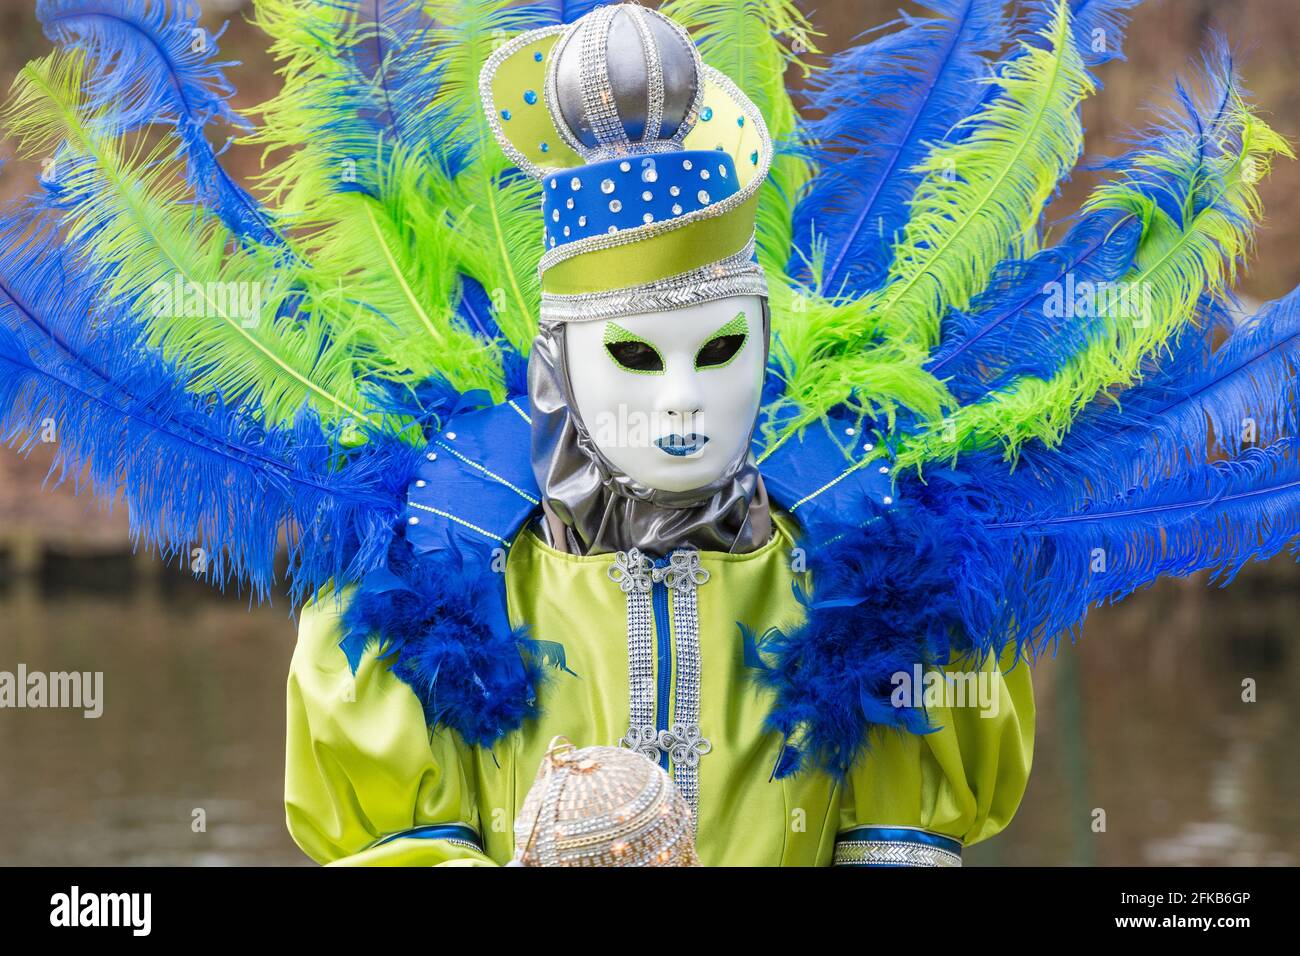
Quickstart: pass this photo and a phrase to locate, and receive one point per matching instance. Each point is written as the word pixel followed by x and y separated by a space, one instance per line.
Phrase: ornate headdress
pixel 650 163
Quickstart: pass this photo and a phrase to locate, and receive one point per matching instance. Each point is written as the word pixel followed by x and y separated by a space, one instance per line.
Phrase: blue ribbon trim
pixel 436 831
pixel 899 835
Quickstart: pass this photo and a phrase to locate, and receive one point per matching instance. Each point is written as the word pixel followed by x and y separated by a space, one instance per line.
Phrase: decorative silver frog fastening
pixel 643 739
pixel 632 571
pixel 682 571
pixel 684 744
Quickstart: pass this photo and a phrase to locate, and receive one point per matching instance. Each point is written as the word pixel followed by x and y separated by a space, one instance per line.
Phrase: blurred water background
pixel 1144 720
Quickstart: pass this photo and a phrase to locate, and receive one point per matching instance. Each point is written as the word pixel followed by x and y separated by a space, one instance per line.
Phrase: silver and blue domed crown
pixel 650 163
pixel 624 80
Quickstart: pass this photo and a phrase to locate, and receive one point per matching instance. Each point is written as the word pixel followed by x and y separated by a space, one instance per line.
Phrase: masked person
pixel 822 435
pixel 654 546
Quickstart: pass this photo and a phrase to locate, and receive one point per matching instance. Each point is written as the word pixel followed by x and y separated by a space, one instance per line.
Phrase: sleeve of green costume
pixel 365 781
pixel 947 789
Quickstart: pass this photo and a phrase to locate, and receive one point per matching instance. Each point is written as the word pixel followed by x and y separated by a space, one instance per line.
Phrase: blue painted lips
pixel 679 446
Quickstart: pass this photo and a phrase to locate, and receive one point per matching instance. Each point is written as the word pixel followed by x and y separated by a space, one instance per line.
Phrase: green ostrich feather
pixel 1179 262
pixel 496 210
pixel 984 193
pixel 382 268
pixel 876 382
pixel 982 196
pixel 755 42
pixel 386 267
pixel 129 205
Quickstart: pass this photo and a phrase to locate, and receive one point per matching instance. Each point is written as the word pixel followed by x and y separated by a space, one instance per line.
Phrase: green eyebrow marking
pixel 737 327
pixel 615 335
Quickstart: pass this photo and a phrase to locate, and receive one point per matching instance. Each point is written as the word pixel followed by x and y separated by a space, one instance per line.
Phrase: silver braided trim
pixel 631 572
pixel 654 74
pixel 683 741
pixel 891 853
pixel 697 104
pixel 465 844
pixel 602 153
pixel 593 75
pixel 735 275
pixel 552 97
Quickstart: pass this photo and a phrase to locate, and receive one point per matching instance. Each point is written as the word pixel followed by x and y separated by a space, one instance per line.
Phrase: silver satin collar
pixel 599 510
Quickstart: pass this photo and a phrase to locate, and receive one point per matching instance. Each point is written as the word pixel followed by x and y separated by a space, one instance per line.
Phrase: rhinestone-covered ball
pixel 603 806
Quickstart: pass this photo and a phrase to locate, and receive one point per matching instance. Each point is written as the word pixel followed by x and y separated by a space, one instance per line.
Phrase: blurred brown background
pixel 1143 721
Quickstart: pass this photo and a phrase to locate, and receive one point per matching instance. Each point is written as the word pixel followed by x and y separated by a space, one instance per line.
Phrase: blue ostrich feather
pixel 387 55
pixel 1195 131
pixel 149 69
pixel 1009 330
pixel 475 311
pixel 364 82
pixel 1099 26
pixel 1192 403
pixel 1181 185
pixel 1067 549
pixel 979 561
pixel 440 622
pixel 890 589
pixel 194 471
pixel 880 106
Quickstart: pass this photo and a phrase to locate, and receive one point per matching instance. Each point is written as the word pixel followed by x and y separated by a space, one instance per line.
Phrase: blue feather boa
pixel 883 600
pixel 442 620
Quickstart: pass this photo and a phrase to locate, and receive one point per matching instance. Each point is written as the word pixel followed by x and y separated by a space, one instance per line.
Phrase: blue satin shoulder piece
pixel 830 475
pixel 475 486
pixel 440 600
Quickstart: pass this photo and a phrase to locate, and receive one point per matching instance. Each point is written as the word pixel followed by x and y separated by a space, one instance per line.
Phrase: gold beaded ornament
pixel 603 806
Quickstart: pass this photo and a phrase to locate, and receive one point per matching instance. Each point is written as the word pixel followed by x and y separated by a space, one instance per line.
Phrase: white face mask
pixel 670 398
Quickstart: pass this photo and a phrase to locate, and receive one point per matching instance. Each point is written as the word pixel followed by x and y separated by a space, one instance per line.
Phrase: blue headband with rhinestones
pixel 626 193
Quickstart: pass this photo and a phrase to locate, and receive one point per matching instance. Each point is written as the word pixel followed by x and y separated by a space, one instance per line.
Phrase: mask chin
pixel 670 399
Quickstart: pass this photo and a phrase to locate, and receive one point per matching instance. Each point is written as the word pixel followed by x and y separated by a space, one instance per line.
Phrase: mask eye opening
pixel 724 345
pixel 630 353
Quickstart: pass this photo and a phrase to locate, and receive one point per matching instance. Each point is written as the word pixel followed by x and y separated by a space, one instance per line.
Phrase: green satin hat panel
pixel 368 783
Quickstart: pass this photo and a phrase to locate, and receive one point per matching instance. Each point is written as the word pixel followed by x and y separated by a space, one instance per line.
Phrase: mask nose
pixel 679 399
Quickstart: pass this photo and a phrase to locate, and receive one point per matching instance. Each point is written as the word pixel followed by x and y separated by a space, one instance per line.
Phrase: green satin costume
pixel 363 769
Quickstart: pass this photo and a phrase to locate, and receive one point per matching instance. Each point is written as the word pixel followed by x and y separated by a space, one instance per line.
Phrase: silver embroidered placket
pixel 631 571
pixel 682 741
